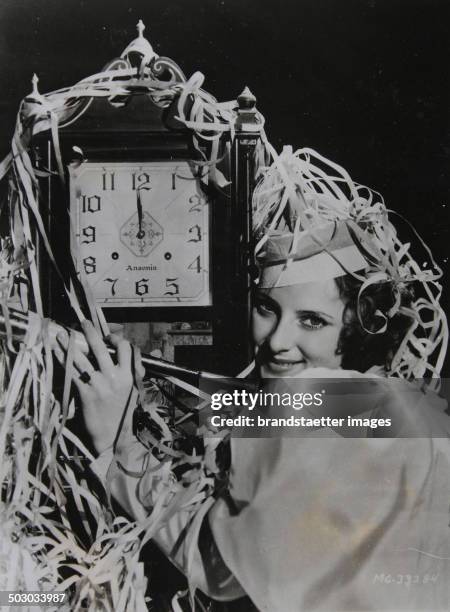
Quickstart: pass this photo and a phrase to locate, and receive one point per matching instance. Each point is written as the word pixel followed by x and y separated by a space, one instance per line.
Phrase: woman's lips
pixel 279 366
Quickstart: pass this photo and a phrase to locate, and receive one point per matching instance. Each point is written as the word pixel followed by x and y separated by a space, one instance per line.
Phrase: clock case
pixel 141 131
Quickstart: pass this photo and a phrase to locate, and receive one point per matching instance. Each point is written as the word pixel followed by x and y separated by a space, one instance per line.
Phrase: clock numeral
pixel 108 181
pixel 196 202
pixel 170 283
pixel 113 282
pixel 195 265
pixel 89 233
pixel 142 287
pixel 90 203
pixel 90 264
pixel 140 181
pixel 174 176
pixel 197 230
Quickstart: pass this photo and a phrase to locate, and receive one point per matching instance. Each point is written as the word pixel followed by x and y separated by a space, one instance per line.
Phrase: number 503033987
pixel 23 598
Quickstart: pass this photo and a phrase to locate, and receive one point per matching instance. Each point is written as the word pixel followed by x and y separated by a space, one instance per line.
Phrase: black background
pixel 364 82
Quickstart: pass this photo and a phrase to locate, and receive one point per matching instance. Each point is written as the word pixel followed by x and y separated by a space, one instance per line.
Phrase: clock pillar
pixel 244 166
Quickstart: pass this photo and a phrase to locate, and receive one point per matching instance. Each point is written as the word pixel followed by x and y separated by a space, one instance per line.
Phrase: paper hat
pixel 325 252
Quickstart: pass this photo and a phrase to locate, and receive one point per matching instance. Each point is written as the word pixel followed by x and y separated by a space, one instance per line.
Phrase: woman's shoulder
pixel 418 408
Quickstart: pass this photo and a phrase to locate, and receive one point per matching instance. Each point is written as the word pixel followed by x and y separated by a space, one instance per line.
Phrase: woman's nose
pixel 283 336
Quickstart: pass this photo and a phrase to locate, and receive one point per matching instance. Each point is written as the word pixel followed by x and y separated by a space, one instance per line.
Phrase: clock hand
pixel 141 232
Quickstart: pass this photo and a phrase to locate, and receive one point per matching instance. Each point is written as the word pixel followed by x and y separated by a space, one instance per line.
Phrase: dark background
pixel 365 82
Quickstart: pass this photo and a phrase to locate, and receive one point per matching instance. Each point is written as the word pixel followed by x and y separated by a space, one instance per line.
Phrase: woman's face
pixel 297 327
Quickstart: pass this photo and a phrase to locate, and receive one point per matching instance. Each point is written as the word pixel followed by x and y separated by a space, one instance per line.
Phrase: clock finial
pixel 35 96
pixel 246 100
pixel 140 28
pixel 33 101
pixel 35 81
pixel 248 119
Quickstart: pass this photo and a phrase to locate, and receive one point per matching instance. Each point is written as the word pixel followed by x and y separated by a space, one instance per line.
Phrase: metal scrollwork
pixel 120 63
pixel 161 65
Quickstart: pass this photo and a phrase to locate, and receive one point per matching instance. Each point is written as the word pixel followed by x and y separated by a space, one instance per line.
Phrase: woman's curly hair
pixel 360 349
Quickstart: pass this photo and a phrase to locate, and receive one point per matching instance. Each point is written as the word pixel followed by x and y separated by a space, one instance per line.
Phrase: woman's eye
pixel 264 308
pixel 312 322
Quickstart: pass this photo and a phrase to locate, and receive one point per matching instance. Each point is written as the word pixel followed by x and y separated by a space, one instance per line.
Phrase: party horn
pixel 19 323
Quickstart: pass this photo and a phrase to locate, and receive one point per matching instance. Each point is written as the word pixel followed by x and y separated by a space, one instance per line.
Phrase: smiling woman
pixel 336 286
pixel 282 315
pixel 326 522
pixel 307 524
pixel 296 327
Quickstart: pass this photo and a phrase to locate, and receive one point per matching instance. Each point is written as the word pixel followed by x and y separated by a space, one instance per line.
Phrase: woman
pixel 334 520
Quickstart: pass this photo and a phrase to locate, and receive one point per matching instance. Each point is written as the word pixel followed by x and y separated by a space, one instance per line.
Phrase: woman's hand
pixel 105 388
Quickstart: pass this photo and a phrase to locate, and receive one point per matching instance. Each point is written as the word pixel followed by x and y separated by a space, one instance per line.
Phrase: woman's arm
pixel 126 467
pixel 105 388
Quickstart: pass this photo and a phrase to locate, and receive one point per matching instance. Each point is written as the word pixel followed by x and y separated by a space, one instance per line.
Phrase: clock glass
pixel 140 233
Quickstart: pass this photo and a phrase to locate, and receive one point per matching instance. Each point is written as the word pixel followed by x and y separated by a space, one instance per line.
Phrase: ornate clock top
pixel 141 46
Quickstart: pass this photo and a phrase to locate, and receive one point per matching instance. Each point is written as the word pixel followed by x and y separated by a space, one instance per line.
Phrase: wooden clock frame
pixel 141 131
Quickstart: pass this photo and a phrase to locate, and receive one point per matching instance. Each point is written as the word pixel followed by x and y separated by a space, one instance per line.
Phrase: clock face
pixel 141 233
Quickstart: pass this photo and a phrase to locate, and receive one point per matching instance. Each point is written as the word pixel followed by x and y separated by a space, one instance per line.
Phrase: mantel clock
pixel 140 227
